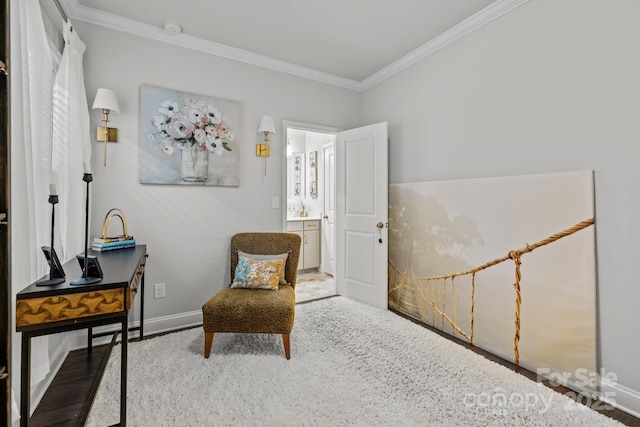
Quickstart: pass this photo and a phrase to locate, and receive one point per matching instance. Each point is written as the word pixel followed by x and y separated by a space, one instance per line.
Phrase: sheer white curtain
pixel 33 167
pixel 31 127
pixel 31 161
pixel 71 144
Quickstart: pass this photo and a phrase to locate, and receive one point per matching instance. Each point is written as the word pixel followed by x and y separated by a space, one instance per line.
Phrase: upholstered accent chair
pixel 241 310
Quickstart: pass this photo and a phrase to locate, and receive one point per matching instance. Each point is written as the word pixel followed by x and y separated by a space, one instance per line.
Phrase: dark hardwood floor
pixel 68 400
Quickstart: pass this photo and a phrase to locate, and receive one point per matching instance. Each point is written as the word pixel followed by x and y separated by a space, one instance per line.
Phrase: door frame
pixel 382 221
pixel 325 219
pixel 288 124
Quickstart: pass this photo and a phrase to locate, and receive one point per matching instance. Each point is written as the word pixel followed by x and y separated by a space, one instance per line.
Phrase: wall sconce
pixel 107 102
pixel 262 150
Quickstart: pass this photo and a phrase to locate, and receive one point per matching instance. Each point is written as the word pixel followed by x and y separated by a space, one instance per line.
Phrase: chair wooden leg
pixel 208 342
pixel 287 348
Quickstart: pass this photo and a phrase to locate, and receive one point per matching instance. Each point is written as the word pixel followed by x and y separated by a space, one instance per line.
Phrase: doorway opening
pixel 309 189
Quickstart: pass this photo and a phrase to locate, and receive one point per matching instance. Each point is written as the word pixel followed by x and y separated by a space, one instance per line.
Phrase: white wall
pixel 551 86
pixel 187 229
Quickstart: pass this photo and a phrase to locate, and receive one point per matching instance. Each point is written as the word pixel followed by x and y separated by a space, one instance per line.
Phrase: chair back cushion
pixel 268 244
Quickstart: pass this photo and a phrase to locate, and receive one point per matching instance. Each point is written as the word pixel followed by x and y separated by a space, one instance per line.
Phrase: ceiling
pixel 343 41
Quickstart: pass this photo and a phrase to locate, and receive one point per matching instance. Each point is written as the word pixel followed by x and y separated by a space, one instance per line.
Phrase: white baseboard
pixel 621 397
pixel 78 339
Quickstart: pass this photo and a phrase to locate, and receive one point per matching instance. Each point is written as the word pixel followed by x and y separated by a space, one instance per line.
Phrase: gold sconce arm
pixel 262 150
pixel 105 133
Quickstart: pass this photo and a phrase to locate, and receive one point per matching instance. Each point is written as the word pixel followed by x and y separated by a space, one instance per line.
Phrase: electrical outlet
pixel 158 290
pixel 275 202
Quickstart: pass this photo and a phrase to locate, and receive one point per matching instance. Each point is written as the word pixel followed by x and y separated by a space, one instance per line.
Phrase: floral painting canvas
pixel 188 139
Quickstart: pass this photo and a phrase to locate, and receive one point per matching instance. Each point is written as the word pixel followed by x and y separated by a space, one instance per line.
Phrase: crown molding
pixel 486 15
pixel 130 26
pixel 126 25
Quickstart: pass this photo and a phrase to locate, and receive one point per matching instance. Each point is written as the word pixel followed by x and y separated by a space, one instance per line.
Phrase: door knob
pixel 380 225
pixel 326 217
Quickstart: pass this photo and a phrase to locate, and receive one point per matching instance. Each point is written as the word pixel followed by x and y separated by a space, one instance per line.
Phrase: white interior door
pixel 329 210
pixel 362 214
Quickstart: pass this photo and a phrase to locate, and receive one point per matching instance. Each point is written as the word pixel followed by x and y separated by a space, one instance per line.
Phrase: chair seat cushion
pixel 250 310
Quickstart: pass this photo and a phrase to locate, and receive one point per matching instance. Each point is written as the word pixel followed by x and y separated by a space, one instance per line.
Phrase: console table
pixel 43 310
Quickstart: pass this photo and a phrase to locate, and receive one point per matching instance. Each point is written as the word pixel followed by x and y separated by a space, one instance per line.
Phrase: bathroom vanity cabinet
pixel 309 231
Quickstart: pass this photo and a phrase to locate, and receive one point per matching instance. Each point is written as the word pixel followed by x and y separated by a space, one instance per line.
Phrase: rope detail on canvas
pixel 516 257
pixel 426 286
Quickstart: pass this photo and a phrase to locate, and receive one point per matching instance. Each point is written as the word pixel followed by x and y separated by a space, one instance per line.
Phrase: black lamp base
pixel 85 281
pixel 51 282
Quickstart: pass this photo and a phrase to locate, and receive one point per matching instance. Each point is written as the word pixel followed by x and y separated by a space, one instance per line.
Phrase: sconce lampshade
pixel 266 125
pixel 106 100
pixel 262 150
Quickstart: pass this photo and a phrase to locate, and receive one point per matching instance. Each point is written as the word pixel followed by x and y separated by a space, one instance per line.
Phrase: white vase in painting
pixel 195 164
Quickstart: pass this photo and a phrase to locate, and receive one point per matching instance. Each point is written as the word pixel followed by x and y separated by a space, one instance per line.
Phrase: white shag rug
pixel 351 365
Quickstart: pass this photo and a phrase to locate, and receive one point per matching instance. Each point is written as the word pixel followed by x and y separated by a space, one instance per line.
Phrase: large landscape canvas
pixel 443 229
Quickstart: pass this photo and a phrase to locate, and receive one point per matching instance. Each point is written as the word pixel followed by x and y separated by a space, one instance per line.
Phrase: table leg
pixel 25 380
pixel 90 340
pixel 123 373
pixel 142 307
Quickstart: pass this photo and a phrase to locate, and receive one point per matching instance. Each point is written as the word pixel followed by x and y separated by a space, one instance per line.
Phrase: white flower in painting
pixel 211 143
pixel 218 151
pixel 166 147
pixel 214 115
pixel 168 108
pixel 180 127
pixel 200 135
pixel 159 122
pixel 211 130
pixel 195 115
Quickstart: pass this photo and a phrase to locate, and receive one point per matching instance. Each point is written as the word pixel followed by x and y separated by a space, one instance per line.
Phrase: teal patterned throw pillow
pixel 257 274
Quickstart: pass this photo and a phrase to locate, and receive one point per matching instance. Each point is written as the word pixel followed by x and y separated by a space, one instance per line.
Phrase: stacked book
pixel 112 243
